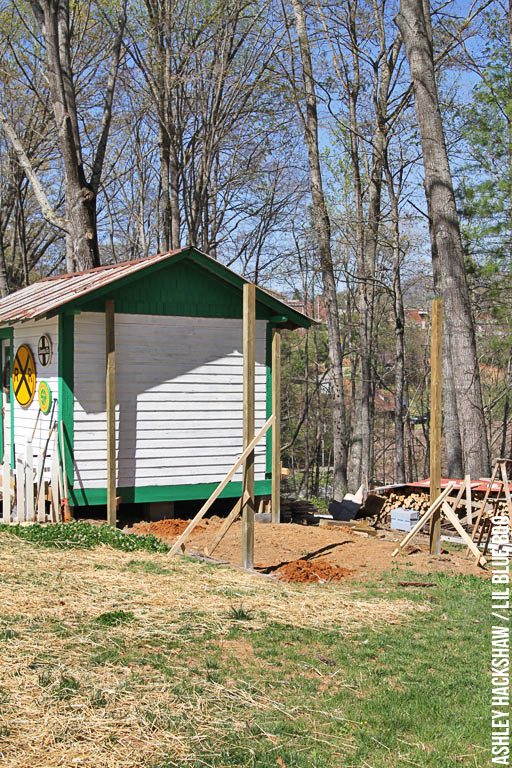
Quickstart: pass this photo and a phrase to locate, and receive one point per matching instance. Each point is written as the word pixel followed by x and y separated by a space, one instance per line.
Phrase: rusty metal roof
pixel 48 295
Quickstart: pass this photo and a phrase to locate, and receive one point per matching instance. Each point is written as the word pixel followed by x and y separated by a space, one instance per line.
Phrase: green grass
pixel 78 535
pixel 415 694
pixel 241 689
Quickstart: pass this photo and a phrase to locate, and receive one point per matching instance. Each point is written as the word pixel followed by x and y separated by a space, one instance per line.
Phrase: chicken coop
pixel 125 383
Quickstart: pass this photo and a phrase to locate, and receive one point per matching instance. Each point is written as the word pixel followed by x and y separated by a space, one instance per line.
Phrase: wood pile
pixel 419 501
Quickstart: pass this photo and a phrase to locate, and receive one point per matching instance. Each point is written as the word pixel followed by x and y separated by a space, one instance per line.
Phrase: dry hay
pixel 64 704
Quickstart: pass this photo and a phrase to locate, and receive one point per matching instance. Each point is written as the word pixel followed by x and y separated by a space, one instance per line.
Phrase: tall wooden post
pixel 436 421
pixel 110 388
pixel 276 428
pixel 249 332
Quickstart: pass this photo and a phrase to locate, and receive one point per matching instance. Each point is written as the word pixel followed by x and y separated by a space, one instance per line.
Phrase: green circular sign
pixel 44 395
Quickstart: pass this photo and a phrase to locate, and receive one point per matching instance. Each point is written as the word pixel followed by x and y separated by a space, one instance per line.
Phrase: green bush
pixel 84 536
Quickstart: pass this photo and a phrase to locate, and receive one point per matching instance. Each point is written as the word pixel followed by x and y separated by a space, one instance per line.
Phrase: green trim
pixel 268 364
pixel 11 403
pixel 266 304
pixel 66 397
pixel 7 334
pixel 84 497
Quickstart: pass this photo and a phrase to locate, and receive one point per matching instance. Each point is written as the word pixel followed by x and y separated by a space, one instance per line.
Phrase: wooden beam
pixel 436 422
pixel 249 334
pixel 454 520
pixel 206 506
pixel 110 389
pixel 424 519
pixel 276 429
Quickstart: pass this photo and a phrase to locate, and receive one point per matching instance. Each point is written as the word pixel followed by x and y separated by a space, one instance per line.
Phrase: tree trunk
pixel 399 314
pixel 449 274
pixel 322 226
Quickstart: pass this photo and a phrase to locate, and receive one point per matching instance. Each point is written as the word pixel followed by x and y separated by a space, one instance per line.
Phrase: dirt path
pixel 310 553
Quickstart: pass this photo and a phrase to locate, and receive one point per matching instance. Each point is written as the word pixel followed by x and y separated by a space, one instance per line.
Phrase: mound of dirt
pixel 304 571
pixel 164 529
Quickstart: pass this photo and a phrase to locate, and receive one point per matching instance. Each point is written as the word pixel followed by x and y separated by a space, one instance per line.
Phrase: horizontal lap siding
pixel 179 411
pixel 25 418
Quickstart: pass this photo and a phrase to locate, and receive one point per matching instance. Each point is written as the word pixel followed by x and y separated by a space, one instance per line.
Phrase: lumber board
pixel 276 429
pixel 110 389
pixel 249 368
pixel 216 493
pixel 454 520
pixel 424 519
pixel 436 422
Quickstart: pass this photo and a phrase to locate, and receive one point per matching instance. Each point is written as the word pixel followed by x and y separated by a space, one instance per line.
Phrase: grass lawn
pixel 128 659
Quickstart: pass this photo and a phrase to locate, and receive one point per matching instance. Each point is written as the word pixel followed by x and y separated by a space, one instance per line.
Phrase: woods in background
pixel 354 156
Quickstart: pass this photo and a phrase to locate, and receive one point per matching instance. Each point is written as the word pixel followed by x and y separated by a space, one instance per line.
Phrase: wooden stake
pixel 110 388
pixel 249 333
pixel 276 429
pixel 66 509
pixel 435 421
pixel 206 506
pixel 40 496
pixel 55 482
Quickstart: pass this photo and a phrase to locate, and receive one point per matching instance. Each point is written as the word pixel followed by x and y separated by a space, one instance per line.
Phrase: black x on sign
pixel 44 350
pixel 24 376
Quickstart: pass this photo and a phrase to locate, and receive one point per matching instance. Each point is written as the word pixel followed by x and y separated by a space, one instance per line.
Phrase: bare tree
pixel 447 252
pixel 322 227
pixel 79 223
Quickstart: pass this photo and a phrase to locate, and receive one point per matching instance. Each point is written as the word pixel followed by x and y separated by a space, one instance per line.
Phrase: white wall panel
pixel 179 399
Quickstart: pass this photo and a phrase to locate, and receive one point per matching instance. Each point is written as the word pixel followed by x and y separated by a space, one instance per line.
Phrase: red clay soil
pixel 165 529
pixel 304 571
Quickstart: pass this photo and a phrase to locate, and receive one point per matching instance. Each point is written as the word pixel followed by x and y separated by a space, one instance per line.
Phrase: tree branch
pixel 46 208
pixel 106 120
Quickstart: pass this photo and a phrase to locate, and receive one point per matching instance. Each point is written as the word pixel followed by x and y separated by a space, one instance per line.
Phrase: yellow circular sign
pixel 44 396
pixel 24 376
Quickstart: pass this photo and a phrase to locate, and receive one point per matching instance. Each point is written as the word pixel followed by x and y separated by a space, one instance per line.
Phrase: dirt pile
pixel 318 571
pixel 165 529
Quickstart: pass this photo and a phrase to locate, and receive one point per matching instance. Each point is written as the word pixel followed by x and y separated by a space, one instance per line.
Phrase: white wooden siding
pixel 179 399
pixel 25 418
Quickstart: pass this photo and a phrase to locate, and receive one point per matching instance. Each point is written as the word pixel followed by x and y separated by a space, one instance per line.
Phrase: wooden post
pixel 110 388
pixel 276 429
pixel 436 421
pixel 249 333
pixel 469 510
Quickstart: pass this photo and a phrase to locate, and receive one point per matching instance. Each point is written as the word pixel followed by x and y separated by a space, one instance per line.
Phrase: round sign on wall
pixel 44 350
pixel 44 396
pixel 24 376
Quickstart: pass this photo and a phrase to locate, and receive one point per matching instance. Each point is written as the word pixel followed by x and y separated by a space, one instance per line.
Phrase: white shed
pixel 178 376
